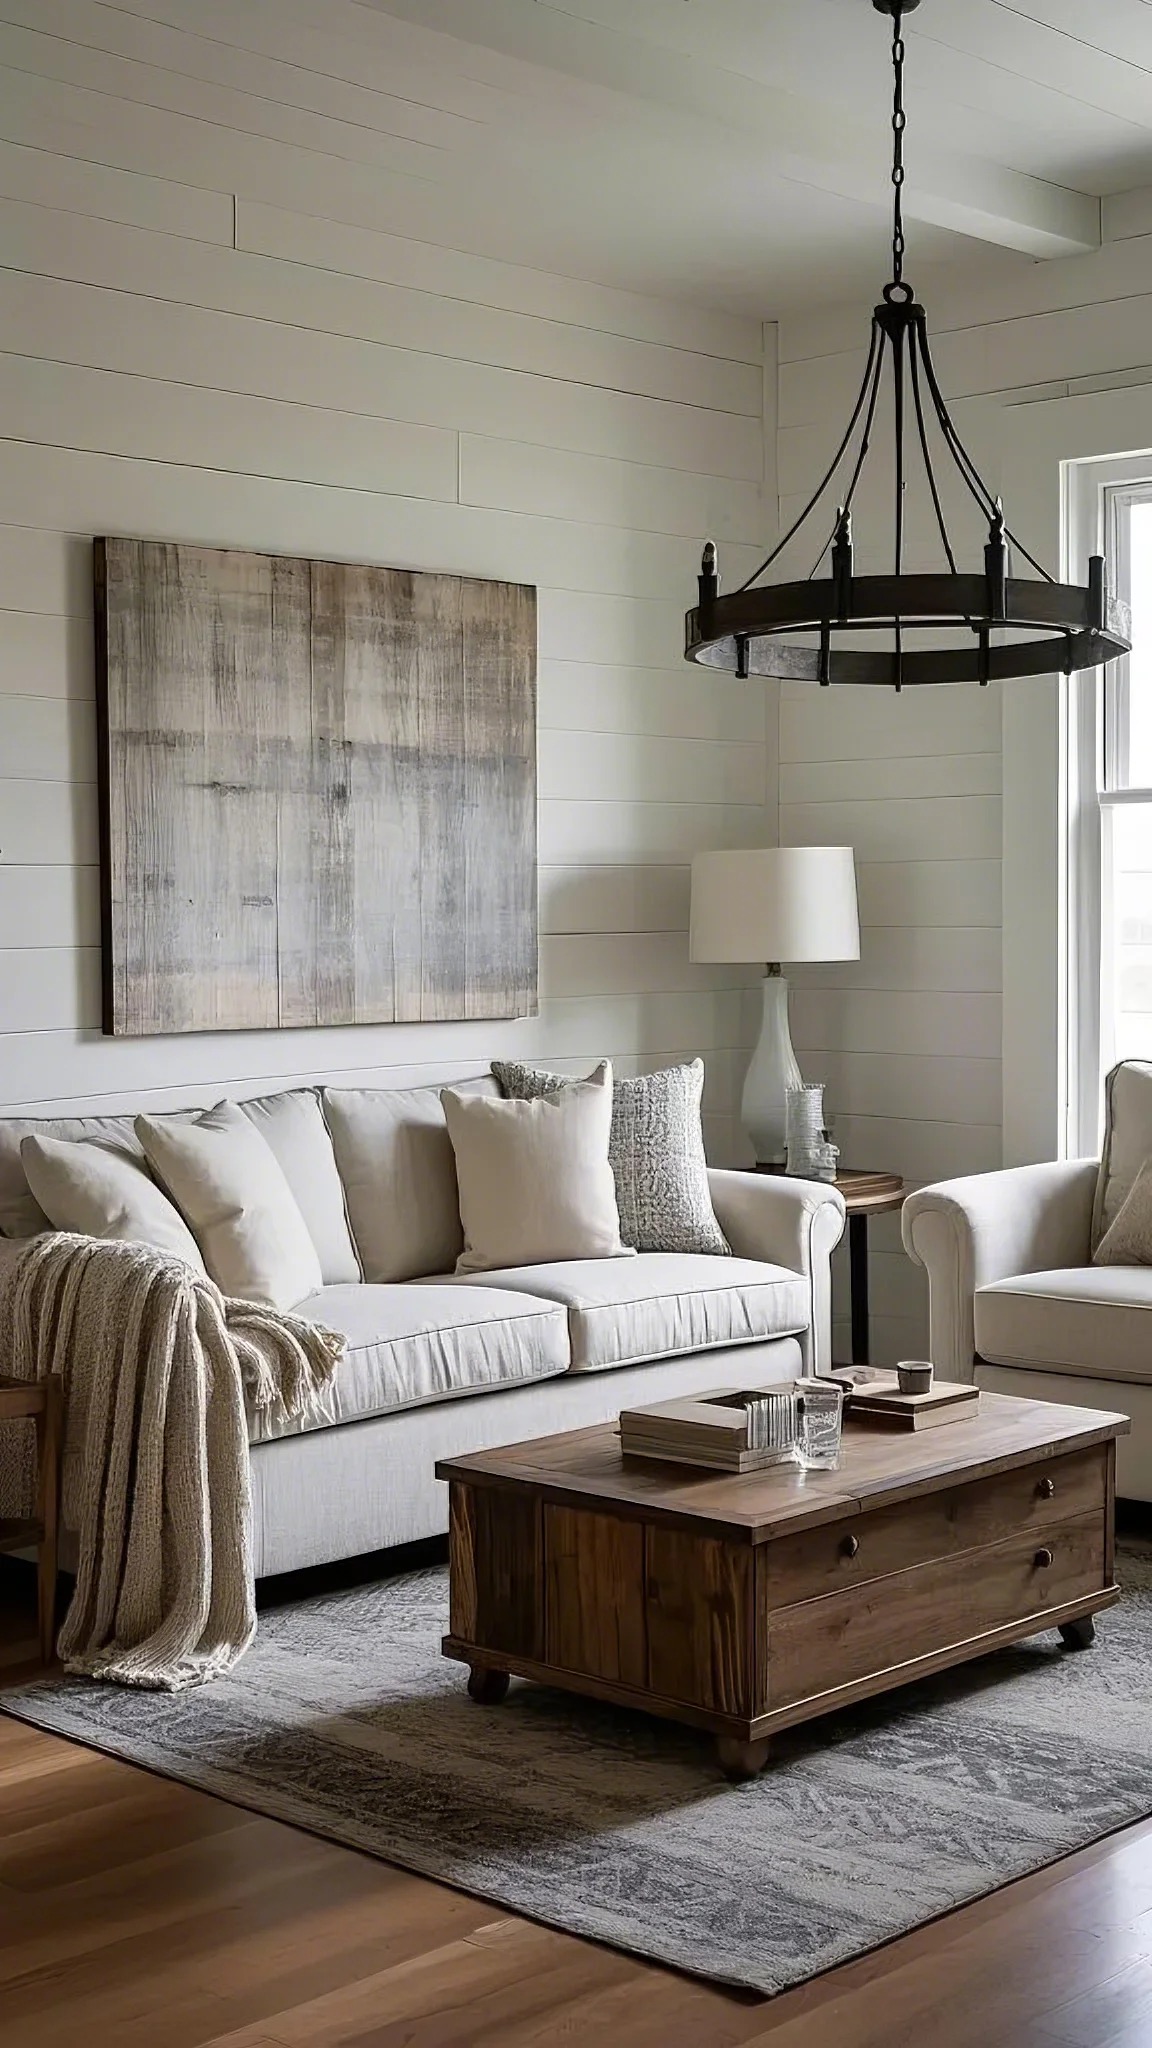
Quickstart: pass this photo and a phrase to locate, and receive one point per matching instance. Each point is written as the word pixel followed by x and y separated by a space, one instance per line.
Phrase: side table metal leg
pixel 858 1281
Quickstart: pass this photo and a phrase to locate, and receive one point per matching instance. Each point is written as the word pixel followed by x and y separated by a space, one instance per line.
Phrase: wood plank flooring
pixel 137 1912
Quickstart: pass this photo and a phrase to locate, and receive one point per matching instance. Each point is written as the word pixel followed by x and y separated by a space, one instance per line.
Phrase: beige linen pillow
pixel 84 1186
pixel 1128 1239
pixel 535 1183
pixel 227 1183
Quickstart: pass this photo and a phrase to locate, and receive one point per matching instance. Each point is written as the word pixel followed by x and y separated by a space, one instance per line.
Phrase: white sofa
pixel 1015 1302
pixel 438 1365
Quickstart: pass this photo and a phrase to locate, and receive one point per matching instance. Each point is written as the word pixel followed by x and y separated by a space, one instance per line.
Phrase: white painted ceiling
pixel 737 150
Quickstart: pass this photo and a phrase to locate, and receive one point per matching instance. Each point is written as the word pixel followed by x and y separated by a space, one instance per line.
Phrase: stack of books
pixel 873 1396
pixel 737 1430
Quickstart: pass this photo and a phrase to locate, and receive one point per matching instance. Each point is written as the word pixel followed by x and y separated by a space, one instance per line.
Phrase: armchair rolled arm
pixel 791 1223
pixel 991 1226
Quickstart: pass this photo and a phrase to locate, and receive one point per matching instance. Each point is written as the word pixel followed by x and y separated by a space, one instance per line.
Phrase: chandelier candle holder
pixel 998 624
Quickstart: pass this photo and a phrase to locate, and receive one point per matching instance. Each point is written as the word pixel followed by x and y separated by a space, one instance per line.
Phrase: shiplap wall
pixel 210 331
pixel 909 1041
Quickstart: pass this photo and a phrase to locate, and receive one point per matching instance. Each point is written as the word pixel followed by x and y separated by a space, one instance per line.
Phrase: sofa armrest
pixel 791 1223
pixel 991 1226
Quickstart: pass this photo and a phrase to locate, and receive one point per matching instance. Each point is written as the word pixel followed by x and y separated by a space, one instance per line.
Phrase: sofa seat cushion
pixel 1093 1320
pixel 422 1342
pixel 663 1304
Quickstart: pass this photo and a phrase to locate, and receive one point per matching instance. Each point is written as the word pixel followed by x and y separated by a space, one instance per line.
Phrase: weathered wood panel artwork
pixel 318 789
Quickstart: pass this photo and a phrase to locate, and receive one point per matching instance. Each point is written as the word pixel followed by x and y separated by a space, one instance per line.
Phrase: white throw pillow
pixel 99 1192
pixel 535 1182
pixel 1128 1239
pixel 227 1183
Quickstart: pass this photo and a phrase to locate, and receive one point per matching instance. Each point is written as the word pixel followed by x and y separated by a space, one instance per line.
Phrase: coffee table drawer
pixel 823 1644
pixel 941 1525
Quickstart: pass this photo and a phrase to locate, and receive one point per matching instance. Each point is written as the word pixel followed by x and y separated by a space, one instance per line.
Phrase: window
pixel 1109 805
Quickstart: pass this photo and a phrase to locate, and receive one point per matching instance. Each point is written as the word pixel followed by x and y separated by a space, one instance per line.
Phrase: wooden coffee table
pixel 744 1605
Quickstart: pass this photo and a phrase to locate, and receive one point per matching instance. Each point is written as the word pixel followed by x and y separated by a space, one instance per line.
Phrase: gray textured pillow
pixel 656 1152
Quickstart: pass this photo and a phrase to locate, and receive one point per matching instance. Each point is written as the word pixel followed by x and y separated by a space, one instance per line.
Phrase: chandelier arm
pixel 869 418
pixel 862 453
pixel 1030 559
pixel 830 542
pixel 928 465
pixel 837 459
pixel 960 456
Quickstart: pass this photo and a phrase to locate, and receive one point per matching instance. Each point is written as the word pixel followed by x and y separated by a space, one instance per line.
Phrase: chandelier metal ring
pixel 1069 626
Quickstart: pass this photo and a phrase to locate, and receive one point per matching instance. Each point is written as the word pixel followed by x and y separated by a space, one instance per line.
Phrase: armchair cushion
pixel 1095 1321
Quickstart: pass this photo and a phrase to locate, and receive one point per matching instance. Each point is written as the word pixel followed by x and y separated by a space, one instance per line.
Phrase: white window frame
pixel 1098 495
pixel 1032 449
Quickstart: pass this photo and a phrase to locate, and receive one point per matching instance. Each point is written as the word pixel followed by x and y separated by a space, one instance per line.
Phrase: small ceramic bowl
pixel 914 1375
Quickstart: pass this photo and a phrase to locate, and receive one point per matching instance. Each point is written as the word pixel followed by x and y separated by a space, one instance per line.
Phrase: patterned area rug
pixel 344 1718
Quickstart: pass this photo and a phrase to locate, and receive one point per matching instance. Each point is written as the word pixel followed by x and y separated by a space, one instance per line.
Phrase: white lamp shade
pixel 775 903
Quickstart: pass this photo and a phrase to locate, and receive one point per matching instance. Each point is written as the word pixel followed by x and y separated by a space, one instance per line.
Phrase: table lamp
pixel 774 903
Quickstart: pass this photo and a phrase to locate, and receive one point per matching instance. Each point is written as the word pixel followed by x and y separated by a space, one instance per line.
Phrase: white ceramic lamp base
pixel 772 1072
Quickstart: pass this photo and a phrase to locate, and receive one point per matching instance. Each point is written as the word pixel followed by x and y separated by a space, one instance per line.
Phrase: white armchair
pixel 1016 1304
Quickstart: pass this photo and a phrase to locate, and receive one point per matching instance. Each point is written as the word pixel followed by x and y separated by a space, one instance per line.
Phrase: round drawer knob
pixel 1043 1559
pixel 1046 1488
pixel 850 1546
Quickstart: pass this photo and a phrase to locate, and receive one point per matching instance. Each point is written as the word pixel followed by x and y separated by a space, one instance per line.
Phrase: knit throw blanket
pixel 157 1367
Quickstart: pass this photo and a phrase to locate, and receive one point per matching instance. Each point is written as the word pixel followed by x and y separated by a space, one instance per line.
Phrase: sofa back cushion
pixel 1127 1141
pixel 292 1123
pixel 399 1174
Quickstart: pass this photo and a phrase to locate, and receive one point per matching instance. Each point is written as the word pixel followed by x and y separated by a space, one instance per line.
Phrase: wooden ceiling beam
pixel 796 137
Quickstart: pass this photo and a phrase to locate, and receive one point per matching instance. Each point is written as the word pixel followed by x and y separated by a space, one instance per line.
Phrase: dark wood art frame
pixel 317 792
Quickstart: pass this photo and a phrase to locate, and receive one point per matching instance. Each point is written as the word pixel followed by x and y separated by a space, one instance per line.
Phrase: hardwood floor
pixel 136 1912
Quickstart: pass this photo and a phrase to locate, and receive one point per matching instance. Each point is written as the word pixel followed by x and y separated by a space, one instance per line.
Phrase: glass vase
pixel 804 1129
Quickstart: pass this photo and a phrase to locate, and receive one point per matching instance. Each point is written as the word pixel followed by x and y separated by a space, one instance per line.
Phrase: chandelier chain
pixel 899 124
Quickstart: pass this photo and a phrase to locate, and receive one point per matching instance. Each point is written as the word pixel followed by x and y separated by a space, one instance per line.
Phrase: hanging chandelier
pixel 1063 626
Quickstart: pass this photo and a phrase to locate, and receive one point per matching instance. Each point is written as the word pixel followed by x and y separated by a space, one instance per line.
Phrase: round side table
pixel 865 1195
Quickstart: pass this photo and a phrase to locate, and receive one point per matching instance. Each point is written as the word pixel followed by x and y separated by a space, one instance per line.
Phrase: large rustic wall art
pixel 318 788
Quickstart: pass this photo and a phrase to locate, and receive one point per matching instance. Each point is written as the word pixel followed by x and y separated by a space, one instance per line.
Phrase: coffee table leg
pixel 486 1686
pixel 1078 1635
pixel 741 1760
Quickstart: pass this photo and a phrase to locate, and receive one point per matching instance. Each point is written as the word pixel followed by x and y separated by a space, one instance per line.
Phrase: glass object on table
pixel 821 1421
pixel 811 1154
